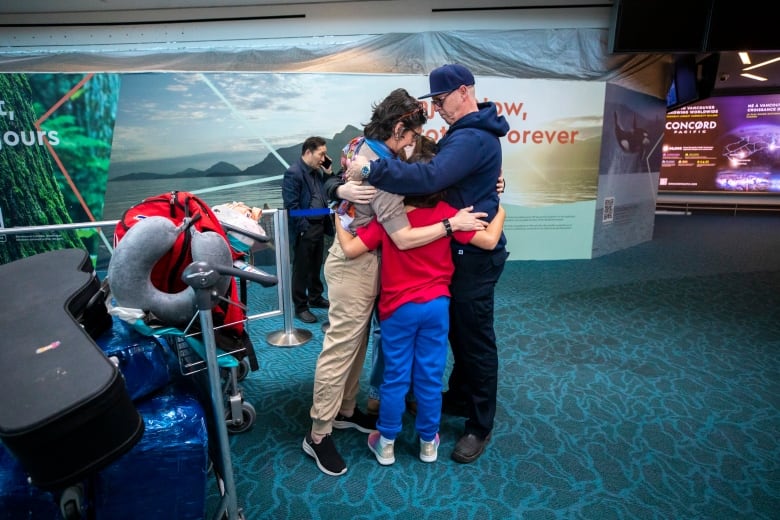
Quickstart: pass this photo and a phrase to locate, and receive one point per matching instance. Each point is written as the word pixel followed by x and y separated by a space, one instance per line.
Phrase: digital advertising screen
pixel 723 145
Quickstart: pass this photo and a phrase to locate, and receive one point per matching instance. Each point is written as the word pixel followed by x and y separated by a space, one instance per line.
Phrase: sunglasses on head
pixel 419 109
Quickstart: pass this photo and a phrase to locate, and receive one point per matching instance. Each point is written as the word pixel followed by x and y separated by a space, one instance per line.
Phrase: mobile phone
pixel 327 162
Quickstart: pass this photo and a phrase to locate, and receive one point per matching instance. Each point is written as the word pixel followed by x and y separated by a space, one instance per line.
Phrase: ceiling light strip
pixel 757 65
pixel 753 76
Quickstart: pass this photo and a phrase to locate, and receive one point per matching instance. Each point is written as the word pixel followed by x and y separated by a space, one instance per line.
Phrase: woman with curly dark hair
pixel 353 283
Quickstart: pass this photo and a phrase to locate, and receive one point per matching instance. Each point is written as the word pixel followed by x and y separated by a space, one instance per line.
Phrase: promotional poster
pixel 628 172
pixel 723 145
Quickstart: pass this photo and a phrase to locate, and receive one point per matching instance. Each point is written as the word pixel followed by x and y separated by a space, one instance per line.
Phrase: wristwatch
pixel 447 226
pixel 365 170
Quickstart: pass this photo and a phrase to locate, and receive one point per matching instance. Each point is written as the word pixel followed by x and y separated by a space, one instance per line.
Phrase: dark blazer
pixel 298 184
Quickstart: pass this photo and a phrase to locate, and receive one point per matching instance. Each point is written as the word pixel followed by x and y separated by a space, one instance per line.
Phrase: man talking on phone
pixel 303 193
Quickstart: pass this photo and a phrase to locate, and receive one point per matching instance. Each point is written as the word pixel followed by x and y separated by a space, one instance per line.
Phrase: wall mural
pixel 103 142
pixel 55 144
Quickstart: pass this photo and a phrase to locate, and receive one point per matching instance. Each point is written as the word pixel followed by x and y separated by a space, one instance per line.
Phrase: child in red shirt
pixel 413 310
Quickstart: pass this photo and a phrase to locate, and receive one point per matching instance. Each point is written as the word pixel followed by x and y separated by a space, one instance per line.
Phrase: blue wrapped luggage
pixel 165 475
pixel 19 499
pixel 145 363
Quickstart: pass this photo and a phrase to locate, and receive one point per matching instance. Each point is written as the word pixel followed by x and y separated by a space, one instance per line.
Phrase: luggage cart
pixel 240 415
pixel 190 351
pixel 235 362
pixel 190 354
pixel 248 362
pixel 203 277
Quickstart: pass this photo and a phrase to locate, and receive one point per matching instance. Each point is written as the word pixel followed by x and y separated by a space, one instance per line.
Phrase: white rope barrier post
pixel 290 336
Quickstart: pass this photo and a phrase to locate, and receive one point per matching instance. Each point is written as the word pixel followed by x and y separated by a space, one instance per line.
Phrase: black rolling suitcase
pixel 64 409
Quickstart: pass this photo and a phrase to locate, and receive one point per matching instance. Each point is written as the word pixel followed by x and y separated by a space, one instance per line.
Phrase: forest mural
pixel 55 148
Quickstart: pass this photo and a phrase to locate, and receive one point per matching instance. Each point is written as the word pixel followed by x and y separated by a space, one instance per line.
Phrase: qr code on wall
pixel 609 209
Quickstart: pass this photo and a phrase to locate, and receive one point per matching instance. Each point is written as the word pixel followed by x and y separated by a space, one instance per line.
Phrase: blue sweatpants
pixel 414 346
pixel 377 361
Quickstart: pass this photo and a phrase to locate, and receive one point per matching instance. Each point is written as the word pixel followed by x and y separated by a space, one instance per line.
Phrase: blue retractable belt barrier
pixel 318 212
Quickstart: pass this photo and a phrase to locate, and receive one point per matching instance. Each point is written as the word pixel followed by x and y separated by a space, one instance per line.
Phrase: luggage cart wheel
pixel 71 503
pixel 70 511
pixel 242 424
pixel 244 367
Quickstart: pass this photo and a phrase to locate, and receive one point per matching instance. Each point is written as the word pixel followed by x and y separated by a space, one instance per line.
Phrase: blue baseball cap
pixel 447 78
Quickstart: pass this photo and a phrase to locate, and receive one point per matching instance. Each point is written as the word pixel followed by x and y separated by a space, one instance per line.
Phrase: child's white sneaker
pixel 383 449
pixel 429 451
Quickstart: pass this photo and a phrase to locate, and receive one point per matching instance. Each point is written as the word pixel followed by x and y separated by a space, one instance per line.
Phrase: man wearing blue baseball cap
pixel 468 166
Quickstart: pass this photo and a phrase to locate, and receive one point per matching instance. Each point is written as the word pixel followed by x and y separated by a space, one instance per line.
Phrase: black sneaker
pixel 325 455
pixel 319 303
pixel 306 316
pixel 360 421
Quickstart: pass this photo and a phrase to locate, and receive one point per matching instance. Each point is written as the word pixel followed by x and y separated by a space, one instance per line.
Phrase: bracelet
pixel 447 226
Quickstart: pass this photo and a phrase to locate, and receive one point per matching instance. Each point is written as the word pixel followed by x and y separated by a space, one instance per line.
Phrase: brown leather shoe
pixel 469 448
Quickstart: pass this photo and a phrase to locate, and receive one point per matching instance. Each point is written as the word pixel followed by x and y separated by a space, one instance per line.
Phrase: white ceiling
pixel 68 6
pixel 30 24
pixel 50 6
pixel 50 15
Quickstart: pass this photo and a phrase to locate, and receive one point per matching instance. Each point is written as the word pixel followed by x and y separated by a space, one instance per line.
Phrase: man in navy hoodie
pixel 468 166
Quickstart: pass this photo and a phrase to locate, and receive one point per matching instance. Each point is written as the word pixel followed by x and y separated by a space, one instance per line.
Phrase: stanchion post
pixel 290 336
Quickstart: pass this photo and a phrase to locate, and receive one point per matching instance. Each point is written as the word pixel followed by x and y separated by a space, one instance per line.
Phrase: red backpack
pixel 166 274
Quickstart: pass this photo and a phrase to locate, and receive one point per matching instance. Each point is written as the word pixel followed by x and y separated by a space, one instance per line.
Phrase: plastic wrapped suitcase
pixel 64 409
pixel 145 363
pixel 18 499
pixel 165 475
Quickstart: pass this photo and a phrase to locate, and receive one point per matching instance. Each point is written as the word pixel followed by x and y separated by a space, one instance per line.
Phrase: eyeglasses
pixel 417 135
pixel 439 101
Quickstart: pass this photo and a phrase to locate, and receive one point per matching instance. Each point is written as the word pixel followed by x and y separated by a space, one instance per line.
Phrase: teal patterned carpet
pixel 644 384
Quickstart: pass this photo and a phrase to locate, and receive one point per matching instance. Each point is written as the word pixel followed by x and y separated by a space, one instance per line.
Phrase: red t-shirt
pixel 415 275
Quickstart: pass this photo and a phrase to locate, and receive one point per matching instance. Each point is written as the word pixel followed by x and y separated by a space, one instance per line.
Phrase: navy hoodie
pixel 467 165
